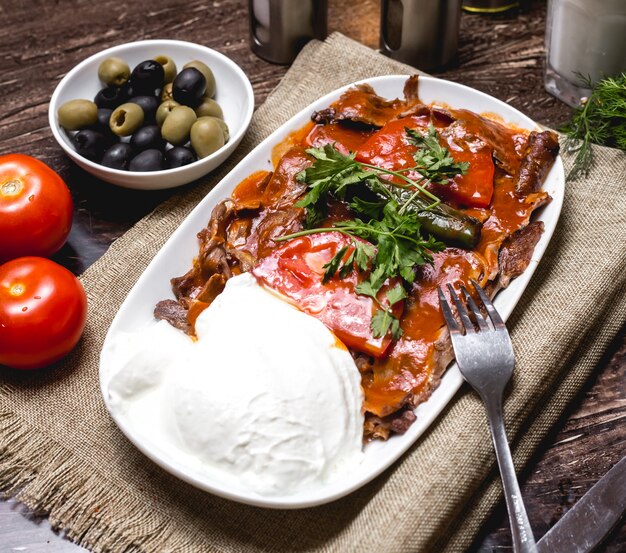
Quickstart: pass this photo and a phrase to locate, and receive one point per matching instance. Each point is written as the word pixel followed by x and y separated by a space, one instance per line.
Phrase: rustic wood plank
pixel 501 55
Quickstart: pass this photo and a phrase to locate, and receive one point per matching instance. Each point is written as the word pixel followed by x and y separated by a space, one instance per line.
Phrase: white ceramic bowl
pixel 234 95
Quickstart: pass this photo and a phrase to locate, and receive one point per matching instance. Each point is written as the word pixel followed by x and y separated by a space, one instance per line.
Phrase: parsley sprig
pixel 334 173
pixel 394 248
pixel 387 218
pixel 432 160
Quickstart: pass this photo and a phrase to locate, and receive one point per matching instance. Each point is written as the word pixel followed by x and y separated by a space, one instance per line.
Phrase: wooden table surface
pixel 502 55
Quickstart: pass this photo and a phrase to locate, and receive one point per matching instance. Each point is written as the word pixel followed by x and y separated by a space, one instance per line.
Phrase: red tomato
pixel 297 269
pixel 43 309
pixel 389 148
pixel 475 187
pixel 35 208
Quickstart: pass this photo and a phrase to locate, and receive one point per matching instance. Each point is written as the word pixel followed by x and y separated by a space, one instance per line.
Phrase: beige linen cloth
pixel 61 452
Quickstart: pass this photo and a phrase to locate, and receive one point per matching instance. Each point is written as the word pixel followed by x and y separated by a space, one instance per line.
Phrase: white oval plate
pixel 177 255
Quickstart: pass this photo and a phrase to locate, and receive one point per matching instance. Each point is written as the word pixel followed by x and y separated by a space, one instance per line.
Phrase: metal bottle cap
pixel 489 6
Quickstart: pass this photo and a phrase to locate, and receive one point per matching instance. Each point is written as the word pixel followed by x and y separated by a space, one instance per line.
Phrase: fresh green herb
pixel 384 320
pixel 362 254
pixel 394 248
pixel 388 218
pixel 432 160
pixel 400 246
pixel 600 119
pixel 334 173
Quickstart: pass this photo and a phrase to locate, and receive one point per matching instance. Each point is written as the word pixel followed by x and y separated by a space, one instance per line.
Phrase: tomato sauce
pixel 345 139
pixel 409 366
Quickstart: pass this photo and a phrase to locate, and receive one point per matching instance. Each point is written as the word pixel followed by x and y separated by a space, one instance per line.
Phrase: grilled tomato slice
pixel 296 270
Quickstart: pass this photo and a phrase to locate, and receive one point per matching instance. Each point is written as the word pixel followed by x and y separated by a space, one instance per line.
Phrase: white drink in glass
pixel 583 37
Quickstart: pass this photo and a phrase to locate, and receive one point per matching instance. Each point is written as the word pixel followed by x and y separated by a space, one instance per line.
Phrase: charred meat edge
pixel 541 151
pixel 216 258
pixel 371 110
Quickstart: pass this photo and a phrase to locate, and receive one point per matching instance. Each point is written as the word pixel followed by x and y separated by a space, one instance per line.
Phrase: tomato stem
pixel 12 187
pixel 17 289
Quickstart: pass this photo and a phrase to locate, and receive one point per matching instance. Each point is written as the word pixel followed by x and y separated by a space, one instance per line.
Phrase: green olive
pixel 207 136
pixel 208 75
pixel 169 67
pixel 166 93
pixel 223 126
pixel 113 71
pixel 209 108
pixel 126 119
pixel 177 125
pixel 77 114
pixel 164 110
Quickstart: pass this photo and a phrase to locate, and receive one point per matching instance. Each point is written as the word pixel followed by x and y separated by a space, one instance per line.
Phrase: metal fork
pixel 485 358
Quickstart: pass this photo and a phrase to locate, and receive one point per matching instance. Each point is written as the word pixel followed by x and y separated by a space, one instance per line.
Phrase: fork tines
pixel 466 321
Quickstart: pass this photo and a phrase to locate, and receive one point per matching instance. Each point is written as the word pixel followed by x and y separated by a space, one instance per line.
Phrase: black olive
pixel 147 77
pixel 102 126
pixel 118 156
pixel 148 160
pixel 89 144
pixel 127 91
pixel 148 104
pixel 147 138
pixel 189 87
pixel 110 97
pixel 179 156
pixel 104 114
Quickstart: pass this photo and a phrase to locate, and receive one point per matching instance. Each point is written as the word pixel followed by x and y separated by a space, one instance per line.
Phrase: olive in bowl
pixel 189 87
pixel 233 94
pixel 89 144
pixel 209 107
pixel 146 77
pixel 148 160
pixel 179 156
pixel 118 156
pixel 113 71
pixel 78 114
pixel 146 138
pixel 207 136
pixel 177 125
pixel 110 97
pixel 126 119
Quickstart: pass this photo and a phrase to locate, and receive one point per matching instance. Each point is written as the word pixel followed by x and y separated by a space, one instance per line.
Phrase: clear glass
pixel 583 37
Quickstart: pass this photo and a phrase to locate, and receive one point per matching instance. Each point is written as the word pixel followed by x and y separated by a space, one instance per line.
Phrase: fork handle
pixel 523 540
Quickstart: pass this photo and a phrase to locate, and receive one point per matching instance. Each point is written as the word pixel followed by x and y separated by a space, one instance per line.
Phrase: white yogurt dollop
pixel 267 397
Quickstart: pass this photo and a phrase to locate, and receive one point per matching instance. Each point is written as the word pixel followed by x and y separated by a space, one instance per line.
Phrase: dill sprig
pixel 600 119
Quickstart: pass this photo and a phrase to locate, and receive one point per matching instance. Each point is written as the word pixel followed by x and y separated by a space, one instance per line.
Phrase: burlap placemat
pixel 61 452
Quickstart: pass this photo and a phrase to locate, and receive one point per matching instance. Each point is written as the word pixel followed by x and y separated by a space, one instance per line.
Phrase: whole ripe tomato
pixel 35 208
pixel 43 309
